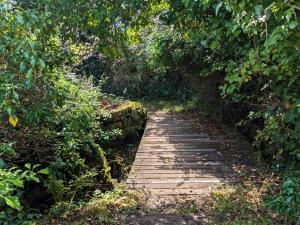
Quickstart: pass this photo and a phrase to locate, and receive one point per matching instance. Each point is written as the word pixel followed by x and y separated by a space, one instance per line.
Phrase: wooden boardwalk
pixel 175 159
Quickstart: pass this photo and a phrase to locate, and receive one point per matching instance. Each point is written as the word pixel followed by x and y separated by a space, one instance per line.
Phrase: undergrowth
pixel 248 203
pixel 170 105
pixel 103 208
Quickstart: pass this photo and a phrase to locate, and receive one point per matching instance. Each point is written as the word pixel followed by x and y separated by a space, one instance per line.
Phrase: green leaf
pixel 22 67
pixel 2 163
pixel 32 61
pixel 258 10
pixel 42 63
pixel 28 84
pixel 13 202
pixel 17 182
pixel 204 43
pixel 29 72
pixel 186 3
pixel 44 171
pixel 9 110
pixel 293 24
pixel 218 7
pixel 28 165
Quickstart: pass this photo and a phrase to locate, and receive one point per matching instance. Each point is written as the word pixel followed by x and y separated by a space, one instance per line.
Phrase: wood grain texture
pixel 175 159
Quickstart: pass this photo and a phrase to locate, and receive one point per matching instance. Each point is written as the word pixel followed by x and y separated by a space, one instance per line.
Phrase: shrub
pixel 11 189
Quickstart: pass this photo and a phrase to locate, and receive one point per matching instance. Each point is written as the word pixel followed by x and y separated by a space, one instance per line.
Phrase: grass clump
pixel 103 208
pixel 247 203
pixel 108 204
pixel 170 106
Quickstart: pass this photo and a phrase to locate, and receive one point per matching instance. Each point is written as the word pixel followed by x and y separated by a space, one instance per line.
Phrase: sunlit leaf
pixel 13 121
pixel 44 171
pixel 13 202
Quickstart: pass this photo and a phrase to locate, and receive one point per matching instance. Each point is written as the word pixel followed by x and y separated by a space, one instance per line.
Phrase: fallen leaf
pixel 13 121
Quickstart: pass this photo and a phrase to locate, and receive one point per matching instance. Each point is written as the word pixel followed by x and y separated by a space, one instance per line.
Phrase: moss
pixel 129 105
pixel 130 117
pixel 105 165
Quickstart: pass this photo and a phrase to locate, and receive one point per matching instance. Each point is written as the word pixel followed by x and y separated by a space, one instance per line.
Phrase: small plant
pixel 246 204
pixel 287 203
pixel 108 203
pixel 103 208
pixel 11 188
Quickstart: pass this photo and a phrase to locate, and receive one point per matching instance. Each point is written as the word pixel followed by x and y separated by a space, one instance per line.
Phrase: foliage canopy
pixel 52 118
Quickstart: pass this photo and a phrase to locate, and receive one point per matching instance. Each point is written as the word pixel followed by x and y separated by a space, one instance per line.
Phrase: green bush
pixel 287 203
pixel 12 182
pixel 47 115
pixel 256 46
pixel 156 68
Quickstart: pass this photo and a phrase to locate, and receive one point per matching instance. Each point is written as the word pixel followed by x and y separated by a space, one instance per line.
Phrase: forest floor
pixel 241 203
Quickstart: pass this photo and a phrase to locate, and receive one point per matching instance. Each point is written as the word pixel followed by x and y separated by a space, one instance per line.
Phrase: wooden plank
pixel 159 154
pixel 228 161
pixel 188 171
pixel 177 181
pixel 193 135
pixel 183 166
pixel 175 150
pixel 159 125
pixel 177 159
pixel 173 126
pixel 169 132
pixel 193 145
pixel 174 158
pixel 147 175
pixel 179 148
pixel 154 144
pixel 173 146
pixel 188 163
pixel 217 141
pixel 173 186
pixel 170 129
pixel 197 155
pixel 195 151
pixel 177 191
pixel 166 133
pixel 164 140
pixel 173 140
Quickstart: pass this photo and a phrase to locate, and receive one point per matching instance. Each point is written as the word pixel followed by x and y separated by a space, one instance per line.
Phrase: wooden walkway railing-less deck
pixel 175 159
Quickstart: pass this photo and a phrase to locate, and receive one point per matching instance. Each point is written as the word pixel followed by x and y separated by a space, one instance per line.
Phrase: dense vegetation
pixel 63 63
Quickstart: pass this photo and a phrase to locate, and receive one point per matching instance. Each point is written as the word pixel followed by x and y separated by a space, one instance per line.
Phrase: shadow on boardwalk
pixel 182 158
pixel 180 155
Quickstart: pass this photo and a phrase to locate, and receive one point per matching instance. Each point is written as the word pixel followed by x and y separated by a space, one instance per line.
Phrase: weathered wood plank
pixel 173 158
pixel 182 163
pixel 173 185
pixel 149 154
pixel 192 135
pixel 177 181
pixel 183 166
pixel 143 150
pixel 173 140
pixel 174 191
pixel 191 172
pixel 178 159
pixel 192 140
pixel 148 175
